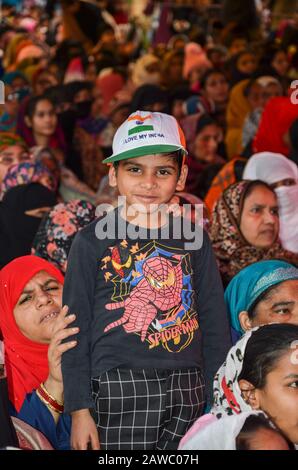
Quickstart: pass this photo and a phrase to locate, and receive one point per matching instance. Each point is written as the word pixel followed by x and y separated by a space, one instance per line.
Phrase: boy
pixel 151 312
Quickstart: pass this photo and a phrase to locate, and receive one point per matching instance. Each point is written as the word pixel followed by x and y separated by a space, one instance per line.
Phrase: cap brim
pixel 142 151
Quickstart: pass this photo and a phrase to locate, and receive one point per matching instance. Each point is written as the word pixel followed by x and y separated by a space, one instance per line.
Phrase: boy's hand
pixel 83 431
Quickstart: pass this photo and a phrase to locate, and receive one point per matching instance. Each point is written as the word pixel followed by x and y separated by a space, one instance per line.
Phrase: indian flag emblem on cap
pixel 140 126
pixel 147 133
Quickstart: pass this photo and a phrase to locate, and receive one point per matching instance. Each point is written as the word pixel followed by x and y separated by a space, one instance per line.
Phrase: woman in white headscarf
pixel 282 175
pixel 250 430
pixel 258 375
pixel 146 71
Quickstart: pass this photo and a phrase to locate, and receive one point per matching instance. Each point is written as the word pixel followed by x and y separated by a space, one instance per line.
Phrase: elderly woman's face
pixel 259 219
pixel 279 397
pixel 279 305
pixel 38 306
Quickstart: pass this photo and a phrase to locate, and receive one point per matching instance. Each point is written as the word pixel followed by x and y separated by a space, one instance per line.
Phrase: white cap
pixel 145 133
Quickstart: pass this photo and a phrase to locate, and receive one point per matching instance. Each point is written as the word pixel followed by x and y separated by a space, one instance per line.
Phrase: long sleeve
pixel 35 413
pixel 213 317
pixel 78 295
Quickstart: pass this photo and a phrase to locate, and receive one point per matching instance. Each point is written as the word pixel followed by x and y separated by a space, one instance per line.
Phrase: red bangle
pixel 42 392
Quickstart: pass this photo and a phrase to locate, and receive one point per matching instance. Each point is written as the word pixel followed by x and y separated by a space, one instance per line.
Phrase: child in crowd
pixel 149 303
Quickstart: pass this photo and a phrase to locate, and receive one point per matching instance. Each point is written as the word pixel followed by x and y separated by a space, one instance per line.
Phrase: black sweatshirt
pixel 141 304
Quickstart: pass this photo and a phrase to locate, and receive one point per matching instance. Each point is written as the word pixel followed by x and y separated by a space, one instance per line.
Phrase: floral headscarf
pixel 57 231
pixel 46 157
pixel 227 394
pixel 8 139
pixel 232 250
pixel 25 173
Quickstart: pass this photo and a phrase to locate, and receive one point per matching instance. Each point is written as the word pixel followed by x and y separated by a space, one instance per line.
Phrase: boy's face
pixel 149 180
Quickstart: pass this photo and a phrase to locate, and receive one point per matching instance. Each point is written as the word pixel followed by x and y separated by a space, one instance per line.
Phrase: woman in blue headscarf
pixel 263 292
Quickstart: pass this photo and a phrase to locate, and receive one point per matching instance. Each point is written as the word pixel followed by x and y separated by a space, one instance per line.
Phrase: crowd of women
pixel 73 71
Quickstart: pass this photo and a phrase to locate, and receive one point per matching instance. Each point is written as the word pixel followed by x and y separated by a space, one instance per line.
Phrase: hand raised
pixel 57 348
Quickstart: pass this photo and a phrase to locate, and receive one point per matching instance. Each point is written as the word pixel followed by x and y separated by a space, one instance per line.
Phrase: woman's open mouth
pixel 49 316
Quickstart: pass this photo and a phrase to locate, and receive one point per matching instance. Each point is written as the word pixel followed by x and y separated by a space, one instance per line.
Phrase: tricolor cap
pixel 146 133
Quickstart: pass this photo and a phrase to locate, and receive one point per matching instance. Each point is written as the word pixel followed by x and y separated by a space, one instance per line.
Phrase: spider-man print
pixel 159 290
pixel 120 260
pixel 155 291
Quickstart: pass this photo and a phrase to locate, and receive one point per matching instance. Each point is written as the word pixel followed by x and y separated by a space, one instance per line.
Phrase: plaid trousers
pixel 146 409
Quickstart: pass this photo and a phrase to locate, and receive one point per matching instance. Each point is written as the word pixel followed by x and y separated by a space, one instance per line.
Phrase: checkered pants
pixel 146 409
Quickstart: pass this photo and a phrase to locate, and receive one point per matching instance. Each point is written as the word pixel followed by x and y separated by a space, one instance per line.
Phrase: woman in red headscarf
pixel 32 324
pixel 273 133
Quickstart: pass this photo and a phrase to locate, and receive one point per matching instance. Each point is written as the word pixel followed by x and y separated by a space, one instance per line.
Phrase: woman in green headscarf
pixel 264 292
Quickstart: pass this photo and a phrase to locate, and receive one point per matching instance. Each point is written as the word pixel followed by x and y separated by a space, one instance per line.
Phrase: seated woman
pixel 15 433
pixel 25 173
pixel 258 91
pixel 20 215
pixel 204 153
pixel 230 173
pixel 57 230
pixel 245 226
pixel 282 175
pixel 13 150
pixel 278 116
pixel 32 323
pixel 262 293
pixel 70 186
pixel 260 373
pixel 39 125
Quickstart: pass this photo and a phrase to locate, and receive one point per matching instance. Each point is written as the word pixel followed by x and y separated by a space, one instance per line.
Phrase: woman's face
pixel 178 109
pixel 280 63
pixel 119 116
pixel 286 182
pixel 91 72
pixel 44 81
pixel 238 45
pixel 279 305
pixel 256 97
pixel 206 143
pixel 11 101
pixel 247 63
pixel 179 44
pixel 217 88
pixel 18 83
pixel 273 90
pixel 259 219
pixel 44 120
pixel 11 156
pixel 38 306
pixel 279 398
